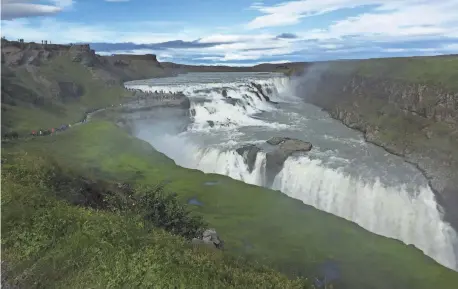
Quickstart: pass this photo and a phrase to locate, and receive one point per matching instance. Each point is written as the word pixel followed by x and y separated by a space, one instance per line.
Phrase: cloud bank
pixel 375 28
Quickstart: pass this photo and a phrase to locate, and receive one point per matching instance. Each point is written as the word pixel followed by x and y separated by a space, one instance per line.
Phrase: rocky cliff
pixel 414 118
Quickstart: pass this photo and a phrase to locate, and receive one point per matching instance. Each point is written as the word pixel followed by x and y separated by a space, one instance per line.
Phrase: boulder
pixel 232 101
pixel 224 93
pixel 210 238
pixel 276 140
pixel 290 145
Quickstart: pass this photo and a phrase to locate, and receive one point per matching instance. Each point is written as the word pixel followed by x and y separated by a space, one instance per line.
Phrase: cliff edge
pixel 409 106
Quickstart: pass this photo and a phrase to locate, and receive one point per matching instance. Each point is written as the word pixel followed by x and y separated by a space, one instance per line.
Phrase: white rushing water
pixel 342 174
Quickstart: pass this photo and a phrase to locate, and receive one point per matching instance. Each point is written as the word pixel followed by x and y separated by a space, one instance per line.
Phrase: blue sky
pixel 241 32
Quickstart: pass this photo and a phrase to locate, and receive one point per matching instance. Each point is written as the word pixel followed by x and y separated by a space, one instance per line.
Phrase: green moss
pixel 284 233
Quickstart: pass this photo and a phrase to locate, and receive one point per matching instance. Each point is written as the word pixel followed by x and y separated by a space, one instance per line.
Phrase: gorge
pixel 342 174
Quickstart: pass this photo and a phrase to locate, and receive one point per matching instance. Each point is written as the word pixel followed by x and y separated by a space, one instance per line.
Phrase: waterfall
pixel 225 115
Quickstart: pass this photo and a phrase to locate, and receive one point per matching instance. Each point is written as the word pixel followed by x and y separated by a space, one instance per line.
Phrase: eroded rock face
pixel 259 92
pixel 284 147
pixel 249 153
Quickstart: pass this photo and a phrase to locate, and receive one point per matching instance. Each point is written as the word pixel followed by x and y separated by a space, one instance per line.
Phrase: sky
pixel 240 32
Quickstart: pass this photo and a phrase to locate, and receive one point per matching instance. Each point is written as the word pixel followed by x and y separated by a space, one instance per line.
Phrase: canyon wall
pixel 413 118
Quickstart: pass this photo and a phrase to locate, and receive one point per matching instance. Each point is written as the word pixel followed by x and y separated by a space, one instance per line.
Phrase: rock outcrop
pixel 149 100
pixel 281 148
pixel 209 238
pixel 249 153
pixel 260 93
pixel 284 147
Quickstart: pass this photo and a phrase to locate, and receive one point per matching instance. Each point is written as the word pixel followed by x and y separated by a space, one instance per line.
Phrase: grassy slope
pixel 24 117
pixel 47 243
pixel 293 237
pixel 437 70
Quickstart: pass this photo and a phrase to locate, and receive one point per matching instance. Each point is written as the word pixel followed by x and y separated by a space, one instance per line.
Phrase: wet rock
pixel 275 158
pixel 249 153
pixel 210 238
pixel 260 92
pixel 224 93
pixel 258 95
pixel 211 123
pixel 231 100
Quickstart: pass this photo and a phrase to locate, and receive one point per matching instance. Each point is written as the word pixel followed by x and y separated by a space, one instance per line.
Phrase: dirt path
pixel 86 119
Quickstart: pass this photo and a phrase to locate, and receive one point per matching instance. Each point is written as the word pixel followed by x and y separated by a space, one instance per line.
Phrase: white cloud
pixel 391 18
pixel 63 3
pixel 68 32
pixel 423 19
pixel 451 48
pixel 12 9
pixel 394 50
pixel 288 13
pixel 229 38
